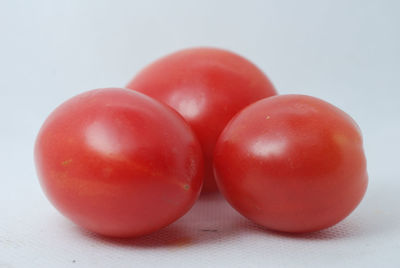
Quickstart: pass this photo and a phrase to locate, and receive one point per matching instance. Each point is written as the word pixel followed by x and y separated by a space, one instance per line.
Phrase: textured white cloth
pixel 212 234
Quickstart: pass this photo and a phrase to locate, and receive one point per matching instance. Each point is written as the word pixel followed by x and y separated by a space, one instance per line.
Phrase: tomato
pixel 292 163
pixel 207 86
pixel 118 163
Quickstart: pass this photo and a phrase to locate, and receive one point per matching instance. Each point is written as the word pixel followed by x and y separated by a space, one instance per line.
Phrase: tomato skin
pixel 118 163
pixel 207 86
pixel 292 163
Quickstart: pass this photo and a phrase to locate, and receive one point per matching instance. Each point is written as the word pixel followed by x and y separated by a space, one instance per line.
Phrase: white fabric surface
pixel 211 235
pixel 345 52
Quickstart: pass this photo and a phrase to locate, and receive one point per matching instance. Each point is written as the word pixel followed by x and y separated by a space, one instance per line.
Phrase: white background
pixel 346 52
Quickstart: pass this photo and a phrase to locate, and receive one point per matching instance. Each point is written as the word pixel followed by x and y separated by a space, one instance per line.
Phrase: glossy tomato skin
pixel 118 163
pixel 292 163
pixel 207 86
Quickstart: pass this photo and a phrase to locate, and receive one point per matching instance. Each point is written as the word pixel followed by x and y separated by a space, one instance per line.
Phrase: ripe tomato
pixel 292 163
pixel 207 87
pixel 118 162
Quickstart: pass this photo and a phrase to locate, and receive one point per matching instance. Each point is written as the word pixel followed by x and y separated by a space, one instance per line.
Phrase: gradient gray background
pixel 345 52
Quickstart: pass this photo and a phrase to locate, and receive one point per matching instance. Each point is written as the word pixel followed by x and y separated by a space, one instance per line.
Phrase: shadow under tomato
pixel 342 230
pixel 373 217
pixel 212 219
pixel 170 236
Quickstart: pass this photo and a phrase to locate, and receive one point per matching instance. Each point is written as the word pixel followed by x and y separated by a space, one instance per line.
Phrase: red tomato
pixel 118 163
pixel 207 87
pixel 292 163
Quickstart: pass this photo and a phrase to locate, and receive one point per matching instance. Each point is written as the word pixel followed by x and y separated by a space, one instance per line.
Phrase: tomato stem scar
pixel 66 162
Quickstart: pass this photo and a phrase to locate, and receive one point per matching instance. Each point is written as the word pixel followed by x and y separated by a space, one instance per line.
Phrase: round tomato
pixel 292 163
pixel 207 87
pixel 118 163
